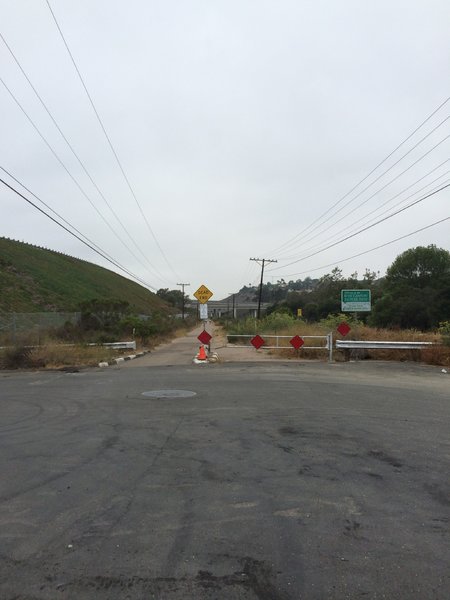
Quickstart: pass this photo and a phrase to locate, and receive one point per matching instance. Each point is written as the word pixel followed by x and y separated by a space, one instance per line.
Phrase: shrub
pixel 331 322
pixel 18 357
pixel 68 332
pixel 436 355
pixel 276 322
pixel 243 326
pixel 444 330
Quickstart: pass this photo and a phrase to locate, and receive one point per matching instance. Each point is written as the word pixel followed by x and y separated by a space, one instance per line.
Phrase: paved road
pixel 275 481
pixel 182 350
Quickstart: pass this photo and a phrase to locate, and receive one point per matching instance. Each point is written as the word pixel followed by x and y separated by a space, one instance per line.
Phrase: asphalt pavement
pixel 267 480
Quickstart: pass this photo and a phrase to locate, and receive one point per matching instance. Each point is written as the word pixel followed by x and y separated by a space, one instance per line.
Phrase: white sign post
pixel 203 311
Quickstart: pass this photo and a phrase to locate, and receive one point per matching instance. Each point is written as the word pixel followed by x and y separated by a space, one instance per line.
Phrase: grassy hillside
pixel 34 279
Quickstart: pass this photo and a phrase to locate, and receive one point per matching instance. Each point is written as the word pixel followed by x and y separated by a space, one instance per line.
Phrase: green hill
pixel 34 279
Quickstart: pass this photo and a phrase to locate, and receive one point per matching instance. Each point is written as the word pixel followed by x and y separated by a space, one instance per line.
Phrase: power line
pixel 385 159
pixel 365 228
pixel 262 262
pixel 402 192
pixel 53 210
pixel 79 161
pixel 400 203
pixel 88 244
pixel 52 150
pixel 246 273
pixel 368 251
pixel 384 204
pixel 309 238
pixel 109 140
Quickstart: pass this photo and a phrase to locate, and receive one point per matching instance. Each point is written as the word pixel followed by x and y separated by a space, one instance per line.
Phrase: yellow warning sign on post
pixel 203 294
pixel 299 312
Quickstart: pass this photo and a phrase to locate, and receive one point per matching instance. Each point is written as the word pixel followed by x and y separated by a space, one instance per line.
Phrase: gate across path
pixel 282 342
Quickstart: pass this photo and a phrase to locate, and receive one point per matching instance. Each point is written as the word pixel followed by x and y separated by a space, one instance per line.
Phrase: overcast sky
pixel 239 125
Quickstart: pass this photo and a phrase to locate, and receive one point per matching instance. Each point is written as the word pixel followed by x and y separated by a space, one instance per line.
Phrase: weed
pixel 438 354
pixel 17 357
pixel 60 355
pixel 444 330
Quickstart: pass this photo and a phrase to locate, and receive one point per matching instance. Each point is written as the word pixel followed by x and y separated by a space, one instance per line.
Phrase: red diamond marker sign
pixel 257 342
pixel 297 342
pixel 343 328
pixel 204 337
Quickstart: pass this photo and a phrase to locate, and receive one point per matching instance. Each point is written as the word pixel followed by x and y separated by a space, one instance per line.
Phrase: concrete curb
pixel 122 359
pixel 214 357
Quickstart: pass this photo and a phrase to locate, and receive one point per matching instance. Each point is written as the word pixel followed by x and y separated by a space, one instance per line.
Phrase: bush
pixel 311 311
pixel 69 332
pixel 242 327
pixel 19 357
pixel 331 322
pixel 436 355
pixel 104 338
pixel 112 327
pixel 273 323
pixel 276 322
pixel 133 326
pixel 444 330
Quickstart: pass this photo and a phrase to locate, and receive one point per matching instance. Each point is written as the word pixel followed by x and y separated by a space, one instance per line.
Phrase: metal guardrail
pixel 345 345
pixel 373 345
pixel 118 345
pixel 286 346
pixel 112 345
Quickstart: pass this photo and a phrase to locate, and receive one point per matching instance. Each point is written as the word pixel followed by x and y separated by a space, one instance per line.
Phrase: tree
pixel 420 267
pixel 311 312
pixel 370 276
pixel 416 292
pixel 294 300
pixel 172 297
pixel 334 277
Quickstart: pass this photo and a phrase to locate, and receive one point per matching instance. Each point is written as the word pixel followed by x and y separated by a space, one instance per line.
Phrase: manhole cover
pixel 169 394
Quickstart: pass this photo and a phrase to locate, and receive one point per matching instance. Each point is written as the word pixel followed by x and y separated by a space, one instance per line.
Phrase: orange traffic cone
pixel 201 353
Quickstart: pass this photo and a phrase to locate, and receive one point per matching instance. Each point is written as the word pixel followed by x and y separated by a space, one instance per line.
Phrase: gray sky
pixel 238 124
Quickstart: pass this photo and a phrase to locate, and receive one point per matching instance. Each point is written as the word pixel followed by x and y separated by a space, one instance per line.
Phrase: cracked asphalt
pixel 275 481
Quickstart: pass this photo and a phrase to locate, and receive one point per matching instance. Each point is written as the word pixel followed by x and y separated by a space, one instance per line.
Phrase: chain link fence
pixel 30 328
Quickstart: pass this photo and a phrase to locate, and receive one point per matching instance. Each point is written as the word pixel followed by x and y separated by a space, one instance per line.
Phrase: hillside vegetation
pixel 35 279
pixel 414 294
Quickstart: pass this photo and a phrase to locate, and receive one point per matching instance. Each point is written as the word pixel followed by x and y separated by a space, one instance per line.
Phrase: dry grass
pixel 54 356
pixel 435 355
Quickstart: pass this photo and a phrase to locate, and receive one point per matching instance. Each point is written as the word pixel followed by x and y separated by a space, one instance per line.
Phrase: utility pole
pixel 262 262
pixel 183 285
pixel 232 294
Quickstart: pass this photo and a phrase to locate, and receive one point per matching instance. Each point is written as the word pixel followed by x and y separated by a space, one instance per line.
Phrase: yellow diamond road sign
pixel 203 294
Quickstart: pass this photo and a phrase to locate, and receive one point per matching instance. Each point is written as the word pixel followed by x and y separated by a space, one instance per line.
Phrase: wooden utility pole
pixel 232 294
pixel 183 285
pixel 262 262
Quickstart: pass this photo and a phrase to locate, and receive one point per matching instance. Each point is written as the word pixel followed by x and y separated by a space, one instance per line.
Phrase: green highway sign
pixel 355 300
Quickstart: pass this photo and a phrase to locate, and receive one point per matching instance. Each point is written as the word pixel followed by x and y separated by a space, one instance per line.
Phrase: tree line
pixel 414 294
